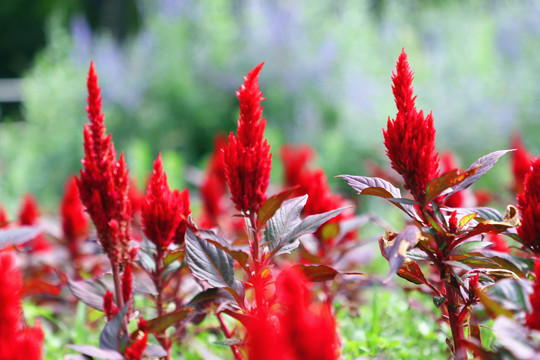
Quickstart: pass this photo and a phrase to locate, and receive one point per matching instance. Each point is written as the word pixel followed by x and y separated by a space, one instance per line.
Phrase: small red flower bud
pixel 521 162
pixel 161 209
pixel 109 308
pixel 127 283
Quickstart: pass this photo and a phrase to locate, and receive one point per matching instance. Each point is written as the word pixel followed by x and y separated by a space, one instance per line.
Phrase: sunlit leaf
pixel 208 262
pixel 270 206
pixel 161 323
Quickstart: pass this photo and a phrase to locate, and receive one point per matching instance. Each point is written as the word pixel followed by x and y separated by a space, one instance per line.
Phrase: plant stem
pixel 255 241
pixel 458 334
pixel 228 335
pixel 117 285
pixel 158 281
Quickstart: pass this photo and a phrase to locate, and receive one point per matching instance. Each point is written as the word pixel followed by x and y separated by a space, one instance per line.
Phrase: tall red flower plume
pixel 529 208
pixel 247 158
pixel 161 208
pixel 214 185
pixel 103 183
pixel 295 328
pixel 533 319
pixel 4 222
pixel 184 213
pixel 74 219
pixel 521 162
pixel 29 214
pixel 17 341
pixel 410 137
pixel 295 161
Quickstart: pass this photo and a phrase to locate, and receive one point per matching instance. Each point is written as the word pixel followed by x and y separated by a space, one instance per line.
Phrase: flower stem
pixel 228 335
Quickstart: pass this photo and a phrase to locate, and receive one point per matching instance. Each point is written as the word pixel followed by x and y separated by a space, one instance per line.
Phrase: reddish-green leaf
pixel 161 323
pixel 437 185
pixel 317 273
pixel 270 206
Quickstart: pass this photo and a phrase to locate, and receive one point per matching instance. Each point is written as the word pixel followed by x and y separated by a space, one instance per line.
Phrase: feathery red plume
pixel 74 219
pixel 17 341
pixel 103 183
pixel 533 318
pixel 247 158
pixel 161 208
pixel 410 137
pixel 529 208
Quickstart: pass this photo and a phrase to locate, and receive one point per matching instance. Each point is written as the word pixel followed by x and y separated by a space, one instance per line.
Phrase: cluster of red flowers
pixel 247 157
pixel 17 340
pixel 410 137
pixel 292 327
pixel 161 209
pixel 103 183
pixel 313 183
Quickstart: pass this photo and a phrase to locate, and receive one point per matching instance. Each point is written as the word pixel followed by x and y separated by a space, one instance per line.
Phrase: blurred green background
pixel 169 68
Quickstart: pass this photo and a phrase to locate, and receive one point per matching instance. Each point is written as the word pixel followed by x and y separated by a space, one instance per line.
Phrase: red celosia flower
pixel 314 184
pixel 161 209
pixel 533 319
pixel 109 308
pixel 499 244
pixel 214 185
pixel 184 212
pixel 310 329
pixel 136 198
pixel 29 215
pixel 135 350
pixel 521 162
pixel 17 341
pixel 410 137
pixel 247 158
pixel 295 162
pixel 74 219
pixel 3 217
pixel 529 208
pixel 297 330
pixel 103 183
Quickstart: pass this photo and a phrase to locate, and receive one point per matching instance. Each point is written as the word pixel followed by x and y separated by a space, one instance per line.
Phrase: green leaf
pixel 316 273
pixel 239 255
pixel 96 352
pixel 270 206
pixel 18 235
pixel 437 185
pixel 208 262
pixel 482 166
pixel 90 292
pixel 311 223
pixel 161 323
pixel 208 295
pixel 110 335
pixel 284 221
pixel 361 183
pixel 396 251
pixel 468 247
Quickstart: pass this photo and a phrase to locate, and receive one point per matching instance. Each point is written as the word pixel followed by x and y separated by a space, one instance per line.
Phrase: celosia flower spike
pixel 521 162
pixel 410 137
pixel 17 341
pixel 109 308
pixel 161 208
pixel 533 318
pixel 247 158
pixel 529 209
pixel 103 183
pixel 74 219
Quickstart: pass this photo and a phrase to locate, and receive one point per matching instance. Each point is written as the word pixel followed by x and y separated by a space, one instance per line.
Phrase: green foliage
pixel 388 327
